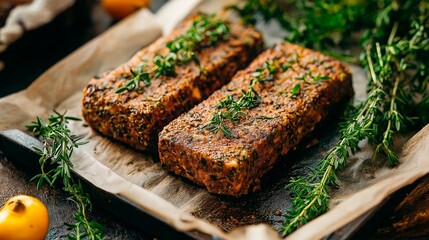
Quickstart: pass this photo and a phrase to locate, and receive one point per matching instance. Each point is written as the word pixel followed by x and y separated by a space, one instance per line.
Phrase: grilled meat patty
pixel 298 97
pixel 136 117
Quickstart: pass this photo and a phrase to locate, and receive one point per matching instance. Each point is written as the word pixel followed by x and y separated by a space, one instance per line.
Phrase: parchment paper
pixel 139 177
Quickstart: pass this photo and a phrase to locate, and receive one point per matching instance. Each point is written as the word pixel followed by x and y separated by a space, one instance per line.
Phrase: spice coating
pixel 136 117
pixel 233 166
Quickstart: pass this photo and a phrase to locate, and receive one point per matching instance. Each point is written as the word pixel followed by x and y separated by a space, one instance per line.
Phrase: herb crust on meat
pixel 234 165
pixel 136 117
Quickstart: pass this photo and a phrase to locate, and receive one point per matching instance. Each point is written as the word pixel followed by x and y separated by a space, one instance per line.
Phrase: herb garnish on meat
pixel 205 31
pixel 249 100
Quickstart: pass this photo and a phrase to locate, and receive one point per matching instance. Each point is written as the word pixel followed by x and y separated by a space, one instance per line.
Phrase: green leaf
pixel 295 90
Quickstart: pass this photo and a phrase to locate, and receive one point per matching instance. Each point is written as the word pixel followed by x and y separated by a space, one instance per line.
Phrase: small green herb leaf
pixel 295 90
pixel 205 31
pixel 249 99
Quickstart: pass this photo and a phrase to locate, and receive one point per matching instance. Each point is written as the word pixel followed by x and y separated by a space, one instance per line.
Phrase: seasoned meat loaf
pixel 136 117
pixel 298 96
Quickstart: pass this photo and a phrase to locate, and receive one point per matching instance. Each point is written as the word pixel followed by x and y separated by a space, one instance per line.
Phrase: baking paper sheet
pixel 139 177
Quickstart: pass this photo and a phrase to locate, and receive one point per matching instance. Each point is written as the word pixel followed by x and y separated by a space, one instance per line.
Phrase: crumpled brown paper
pixel 139 177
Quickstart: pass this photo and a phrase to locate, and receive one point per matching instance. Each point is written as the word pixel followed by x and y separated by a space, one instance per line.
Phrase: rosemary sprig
pixel 249 99
pixel 205 31
pixel 55 165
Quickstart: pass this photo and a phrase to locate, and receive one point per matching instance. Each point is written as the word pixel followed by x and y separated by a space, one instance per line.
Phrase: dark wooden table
pixel 15 180
pixel 407 218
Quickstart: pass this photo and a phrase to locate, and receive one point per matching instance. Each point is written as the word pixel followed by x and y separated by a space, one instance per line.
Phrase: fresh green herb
pixel 268 9
pixel 285 67
pixel 395 51
pixel 55 165
pixel 295 90
pixel 310 79
pixel 250 99
pixel 389 60
pixel 218 123
pixel 205 31
pixel 319 78
pixel 317 24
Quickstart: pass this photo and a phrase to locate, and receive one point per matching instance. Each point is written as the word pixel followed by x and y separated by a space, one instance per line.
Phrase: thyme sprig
pixel 205 31
pixel 249 99
pixel 55 165
pixel 391 62
pixel 395 51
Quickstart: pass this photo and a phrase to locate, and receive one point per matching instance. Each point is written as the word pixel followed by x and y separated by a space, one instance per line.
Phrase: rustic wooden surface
pixel 14 180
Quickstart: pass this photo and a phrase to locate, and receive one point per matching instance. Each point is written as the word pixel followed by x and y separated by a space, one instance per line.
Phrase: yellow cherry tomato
pixel 23 218
pixel 119 9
